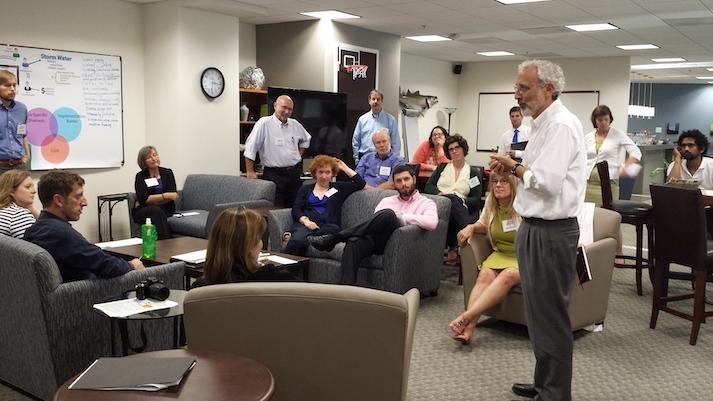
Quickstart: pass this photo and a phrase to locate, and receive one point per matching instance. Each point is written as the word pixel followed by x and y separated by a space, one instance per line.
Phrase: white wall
pixel 96 26
pixel 609 75
pixel 431 77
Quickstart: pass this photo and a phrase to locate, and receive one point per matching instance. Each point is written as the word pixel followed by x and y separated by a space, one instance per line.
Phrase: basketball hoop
pixel 357 70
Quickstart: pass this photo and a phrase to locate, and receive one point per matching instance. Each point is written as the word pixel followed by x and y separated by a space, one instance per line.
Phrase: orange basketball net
pixel 357 70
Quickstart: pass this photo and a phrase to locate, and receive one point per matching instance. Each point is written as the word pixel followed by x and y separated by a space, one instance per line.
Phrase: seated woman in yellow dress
pixel 498 273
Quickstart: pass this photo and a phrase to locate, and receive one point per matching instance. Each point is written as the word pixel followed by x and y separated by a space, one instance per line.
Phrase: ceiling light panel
pixel 638 47
pixel 329 14
pixel 428 38
pixel 668 60
pixel 499 53
pixel 592 27
pixel 519 1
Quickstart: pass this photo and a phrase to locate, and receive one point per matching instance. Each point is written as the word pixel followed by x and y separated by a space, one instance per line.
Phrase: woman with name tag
pixel 234 246
pixel 155 192
pixel 453 180
pixel 318 207
pixel 17 197
pixel 607 143
pixel 498 273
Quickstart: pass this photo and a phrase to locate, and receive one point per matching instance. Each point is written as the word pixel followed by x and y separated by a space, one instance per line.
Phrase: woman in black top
pixel 318 207
pixel 156 193
pixel 234 245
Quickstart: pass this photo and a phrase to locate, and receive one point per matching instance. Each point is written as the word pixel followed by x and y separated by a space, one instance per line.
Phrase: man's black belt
pixel 298 165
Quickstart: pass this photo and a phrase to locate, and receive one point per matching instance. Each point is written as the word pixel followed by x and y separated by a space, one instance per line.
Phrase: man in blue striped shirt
pixel 14 149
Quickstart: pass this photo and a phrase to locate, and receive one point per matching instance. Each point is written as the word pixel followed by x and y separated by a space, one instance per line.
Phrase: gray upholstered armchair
pixel 318 340
pixel 49 329
pixel 412 259
pixel 588 302
pixel 208 195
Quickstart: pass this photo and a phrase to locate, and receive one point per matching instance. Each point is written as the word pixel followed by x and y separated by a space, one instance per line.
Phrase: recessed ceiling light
pixel 330 14
pixel 592 27
pixel 710 82
pixel 709 69
pixel 637 47
pixel 668 60
pixel 704 78
pixel 518 1
pixel 498 53
pixel 428 38
pixel 665 66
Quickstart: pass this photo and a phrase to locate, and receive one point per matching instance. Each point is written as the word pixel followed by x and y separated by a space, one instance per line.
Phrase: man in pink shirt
pixel 370 237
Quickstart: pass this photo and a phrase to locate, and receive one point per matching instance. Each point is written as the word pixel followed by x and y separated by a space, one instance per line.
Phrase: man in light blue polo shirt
pixel 376 167
pixel 370 122
pixel 14 149
pixel 281 141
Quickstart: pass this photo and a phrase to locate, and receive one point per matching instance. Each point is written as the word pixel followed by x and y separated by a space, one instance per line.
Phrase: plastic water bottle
pixel 148 239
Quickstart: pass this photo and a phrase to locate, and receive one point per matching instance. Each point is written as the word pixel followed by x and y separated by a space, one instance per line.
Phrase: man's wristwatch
pixel 513 171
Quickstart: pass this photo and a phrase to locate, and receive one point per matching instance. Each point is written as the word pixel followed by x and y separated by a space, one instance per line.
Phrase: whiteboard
pixel 74 106
pixel 493 118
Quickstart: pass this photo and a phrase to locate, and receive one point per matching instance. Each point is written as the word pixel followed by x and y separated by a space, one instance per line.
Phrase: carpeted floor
pixel 627 361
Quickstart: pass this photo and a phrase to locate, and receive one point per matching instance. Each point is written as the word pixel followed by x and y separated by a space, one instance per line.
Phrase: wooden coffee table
pixel 217 376
pixel 166 248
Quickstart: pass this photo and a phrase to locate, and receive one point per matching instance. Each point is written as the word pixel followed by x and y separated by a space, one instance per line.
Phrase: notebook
pixel 146 374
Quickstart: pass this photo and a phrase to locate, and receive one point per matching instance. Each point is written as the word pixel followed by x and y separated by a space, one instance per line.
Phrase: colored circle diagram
pixel 52 132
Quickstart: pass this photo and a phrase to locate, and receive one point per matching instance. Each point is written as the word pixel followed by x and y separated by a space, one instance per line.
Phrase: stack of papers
pixel 119 243
pixel 195 257
pixel 146 374
pixel 265 256
pixel 132 306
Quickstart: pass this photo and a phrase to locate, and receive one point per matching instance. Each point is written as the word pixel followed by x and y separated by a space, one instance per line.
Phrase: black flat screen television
pixel 324 116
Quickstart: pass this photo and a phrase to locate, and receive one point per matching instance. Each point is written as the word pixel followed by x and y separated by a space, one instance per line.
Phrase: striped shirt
pixel 14 220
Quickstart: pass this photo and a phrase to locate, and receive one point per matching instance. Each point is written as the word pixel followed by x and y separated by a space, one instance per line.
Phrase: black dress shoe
pixel 524 390
pixel 323 242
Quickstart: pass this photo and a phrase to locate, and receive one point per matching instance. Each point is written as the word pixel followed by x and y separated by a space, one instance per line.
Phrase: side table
pixel 112 200
pixel 175 313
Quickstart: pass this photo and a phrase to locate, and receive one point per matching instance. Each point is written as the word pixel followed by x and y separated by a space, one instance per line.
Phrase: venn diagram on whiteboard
pixel 52 132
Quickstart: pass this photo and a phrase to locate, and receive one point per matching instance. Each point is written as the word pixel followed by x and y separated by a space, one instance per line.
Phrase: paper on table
pixel 280 260
pixel 119 243
pixel 185 214
pixel 707 192
pixel 192 257
pixel 132 306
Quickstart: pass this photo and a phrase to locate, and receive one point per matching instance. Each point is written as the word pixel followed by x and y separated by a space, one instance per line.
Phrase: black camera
pixel 152 288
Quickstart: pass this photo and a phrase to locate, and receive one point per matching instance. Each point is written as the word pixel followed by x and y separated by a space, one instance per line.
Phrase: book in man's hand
pixel 137 373
pixel 583 271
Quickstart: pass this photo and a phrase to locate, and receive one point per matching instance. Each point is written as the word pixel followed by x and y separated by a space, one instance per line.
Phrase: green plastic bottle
pixel 148 239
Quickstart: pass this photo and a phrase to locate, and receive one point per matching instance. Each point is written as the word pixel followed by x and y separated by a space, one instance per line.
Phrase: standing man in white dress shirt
pixel 372 121
pixel 281 141
pixel 518 134
pixel 553 181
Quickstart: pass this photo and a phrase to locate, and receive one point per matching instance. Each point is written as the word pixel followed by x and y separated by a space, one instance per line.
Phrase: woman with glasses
pixel 430 153
pixel 498 273
pixel 461 185
pixel 156 192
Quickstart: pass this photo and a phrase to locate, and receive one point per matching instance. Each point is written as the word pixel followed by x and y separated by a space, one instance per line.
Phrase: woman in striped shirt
pixel 17 197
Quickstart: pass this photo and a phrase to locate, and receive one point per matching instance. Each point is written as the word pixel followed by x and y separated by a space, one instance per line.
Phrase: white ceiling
pixel 681 28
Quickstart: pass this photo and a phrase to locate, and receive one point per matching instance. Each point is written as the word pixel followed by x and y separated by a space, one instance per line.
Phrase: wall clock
pixel 212 82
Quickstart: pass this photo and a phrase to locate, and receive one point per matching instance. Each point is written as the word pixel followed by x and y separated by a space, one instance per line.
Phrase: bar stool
pixel 637 214
pixel 681 238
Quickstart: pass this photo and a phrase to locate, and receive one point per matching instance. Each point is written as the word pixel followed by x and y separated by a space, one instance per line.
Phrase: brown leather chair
pixel 588 302
pixel 320 341
pixel 637 214
pixel 681 238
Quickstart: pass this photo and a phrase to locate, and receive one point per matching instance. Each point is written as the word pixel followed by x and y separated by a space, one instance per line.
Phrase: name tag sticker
pixel 474 182
pixel 22 129
pixel 384 170
pixel 509 225
pixel 331 192
pixel 151 182
pixel 279 141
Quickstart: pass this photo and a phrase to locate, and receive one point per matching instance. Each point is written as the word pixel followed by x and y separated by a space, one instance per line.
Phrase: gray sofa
pixel 208 195
pixel 49 329
pixel 413 257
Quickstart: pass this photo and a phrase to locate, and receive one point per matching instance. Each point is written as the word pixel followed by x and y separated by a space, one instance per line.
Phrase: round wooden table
pixel 217 376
